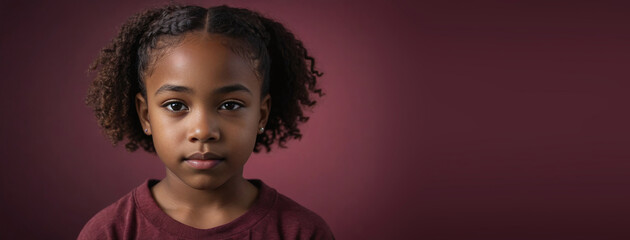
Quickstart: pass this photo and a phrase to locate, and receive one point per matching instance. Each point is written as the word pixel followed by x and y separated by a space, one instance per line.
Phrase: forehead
pixel 202 61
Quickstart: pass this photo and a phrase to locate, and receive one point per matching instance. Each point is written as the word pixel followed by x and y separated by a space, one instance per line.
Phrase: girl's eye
pixel 175 106
pixel 231 106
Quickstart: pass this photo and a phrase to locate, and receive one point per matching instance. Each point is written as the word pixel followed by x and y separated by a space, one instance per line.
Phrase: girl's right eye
pixel 175 106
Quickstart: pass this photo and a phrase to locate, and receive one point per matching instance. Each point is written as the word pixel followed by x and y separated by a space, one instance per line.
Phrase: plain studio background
pixel 460 120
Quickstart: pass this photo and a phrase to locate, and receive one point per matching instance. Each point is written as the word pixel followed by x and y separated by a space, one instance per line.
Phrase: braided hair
pixel 287 71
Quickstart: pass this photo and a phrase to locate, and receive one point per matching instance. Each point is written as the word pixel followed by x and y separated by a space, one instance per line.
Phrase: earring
pixel 146 130
pixel 261 130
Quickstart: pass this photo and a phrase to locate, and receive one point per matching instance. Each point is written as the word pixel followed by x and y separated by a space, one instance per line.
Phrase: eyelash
pixel 169 107
pixel 237 104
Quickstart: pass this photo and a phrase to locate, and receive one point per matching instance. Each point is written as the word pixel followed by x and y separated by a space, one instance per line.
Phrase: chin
pixel 205 182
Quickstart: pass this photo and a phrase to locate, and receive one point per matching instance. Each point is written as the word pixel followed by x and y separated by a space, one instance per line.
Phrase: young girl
pixel 202 89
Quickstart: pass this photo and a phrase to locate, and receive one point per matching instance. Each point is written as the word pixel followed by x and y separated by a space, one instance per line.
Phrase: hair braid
pixel 174 21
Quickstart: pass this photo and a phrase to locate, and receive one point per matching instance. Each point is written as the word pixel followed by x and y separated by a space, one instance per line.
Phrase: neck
pixel 236 193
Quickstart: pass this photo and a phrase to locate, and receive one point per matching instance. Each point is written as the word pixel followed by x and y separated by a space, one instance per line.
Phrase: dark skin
pixel 214 105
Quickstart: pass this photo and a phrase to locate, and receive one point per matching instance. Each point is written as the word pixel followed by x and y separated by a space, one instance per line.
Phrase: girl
pixel 202 89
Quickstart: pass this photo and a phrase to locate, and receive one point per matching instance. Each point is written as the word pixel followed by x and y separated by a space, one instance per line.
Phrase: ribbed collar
pixel 151 212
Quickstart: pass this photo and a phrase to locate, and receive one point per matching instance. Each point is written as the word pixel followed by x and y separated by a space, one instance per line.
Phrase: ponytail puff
pixel 111 93
pixel 293 81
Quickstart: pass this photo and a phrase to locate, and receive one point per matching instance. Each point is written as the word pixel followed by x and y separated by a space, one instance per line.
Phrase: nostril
pixel 204 127
pixel 204 135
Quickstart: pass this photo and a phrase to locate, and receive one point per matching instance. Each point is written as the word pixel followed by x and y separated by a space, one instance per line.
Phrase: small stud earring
pixel 146 130
pixel 261 130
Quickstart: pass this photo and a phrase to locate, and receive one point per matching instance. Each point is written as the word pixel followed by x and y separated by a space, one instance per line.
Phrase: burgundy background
pixel 460 120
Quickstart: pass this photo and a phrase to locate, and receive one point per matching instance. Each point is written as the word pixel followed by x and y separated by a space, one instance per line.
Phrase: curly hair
pixel 287 71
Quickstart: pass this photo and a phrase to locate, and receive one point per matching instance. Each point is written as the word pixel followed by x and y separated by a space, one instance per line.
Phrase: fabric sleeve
pixel 96 229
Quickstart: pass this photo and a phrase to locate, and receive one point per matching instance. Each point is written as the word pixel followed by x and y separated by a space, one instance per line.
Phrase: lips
pixel 204 156
pixel 205 160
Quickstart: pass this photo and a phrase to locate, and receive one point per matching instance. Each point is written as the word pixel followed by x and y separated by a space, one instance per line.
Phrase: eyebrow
pixel 221 90
pixel 173 88
pixel 232 88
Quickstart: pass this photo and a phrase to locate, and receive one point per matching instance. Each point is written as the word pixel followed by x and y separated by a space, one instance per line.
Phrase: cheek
pixel 242 132
pixel 165 132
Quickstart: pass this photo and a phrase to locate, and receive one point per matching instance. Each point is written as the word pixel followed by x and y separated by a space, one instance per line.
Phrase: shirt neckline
pixel 150 210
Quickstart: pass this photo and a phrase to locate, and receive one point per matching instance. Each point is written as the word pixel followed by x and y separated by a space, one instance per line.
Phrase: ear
pixel 265 109
pixel 143 113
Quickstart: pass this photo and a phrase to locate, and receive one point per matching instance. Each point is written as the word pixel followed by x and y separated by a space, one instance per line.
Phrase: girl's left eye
pixel 231 106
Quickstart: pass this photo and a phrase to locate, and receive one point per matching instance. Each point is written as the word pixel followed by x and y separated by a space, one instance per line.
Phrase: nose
pixel 204 128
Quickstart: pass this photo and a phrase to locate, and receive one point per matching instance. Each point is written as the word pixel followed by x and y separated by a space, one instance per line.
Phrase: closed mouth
pixel 204 156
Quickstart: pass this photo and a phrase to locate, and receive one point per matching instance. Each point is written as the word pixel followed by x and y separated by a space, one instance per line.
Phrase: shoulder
pixel 291 210
pixel 107 223
pixel 299 222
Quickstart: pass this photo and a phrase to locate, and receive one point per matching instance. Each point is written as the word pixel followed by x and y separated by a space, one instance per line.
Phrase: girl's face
pixel 203 98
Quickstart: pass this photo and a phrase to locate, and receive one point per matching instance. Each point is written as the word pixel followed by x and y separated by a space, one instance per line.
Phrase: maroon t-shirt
pixel 272 216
